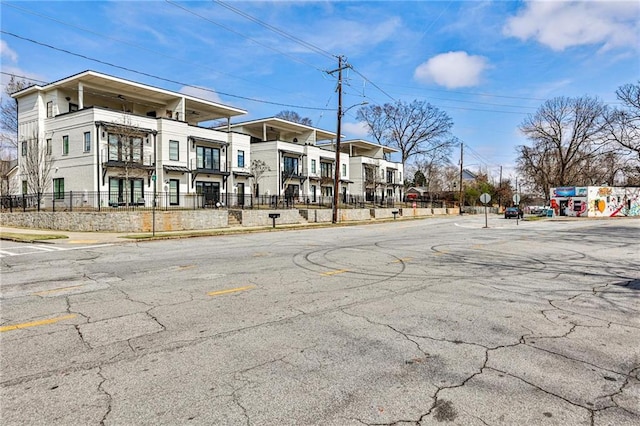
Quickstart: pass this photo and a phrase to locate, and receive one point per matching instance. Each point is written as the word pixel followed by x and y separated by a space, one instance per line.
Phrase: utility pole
pixel 500 191
pixel 461 192
pixel 336 180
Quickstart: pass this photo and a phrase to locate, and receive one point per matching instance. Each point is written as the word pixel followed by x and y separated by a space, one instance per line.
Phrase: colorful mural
pixel 595 201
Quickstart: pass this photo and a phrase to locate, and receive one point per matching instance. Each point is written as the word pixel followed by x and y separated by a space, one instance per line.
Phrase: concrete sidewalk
pixel 97 237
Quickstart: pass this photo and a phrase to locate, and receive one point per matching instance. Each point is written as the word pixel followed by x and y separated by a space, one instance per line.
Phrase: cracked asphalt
pixel 422 322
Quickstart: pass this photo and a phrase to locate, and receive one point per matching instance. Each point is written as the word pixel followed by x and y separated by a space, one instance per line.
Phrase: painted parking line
pixel 230 290
pixel 339 271
pixel 36 323
pixel 56 290
pixel 33 249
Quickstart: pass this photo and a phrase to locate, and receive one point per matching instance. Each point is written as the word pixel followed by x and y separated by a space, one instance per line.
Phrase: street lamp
pixel 336 180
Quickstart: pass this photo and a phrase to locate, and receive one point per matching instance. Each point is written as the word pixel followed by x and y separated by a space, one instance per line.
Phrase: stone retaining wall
pixel 119 221
pixel 261 217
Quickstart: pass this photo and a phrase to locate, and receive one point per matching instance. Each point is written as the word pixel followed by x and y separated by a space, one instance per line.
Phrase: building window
pixel 208 158
pixel 326 170
pixel 240 158
pixel 73 107
pixel 313 166
pixel 125 192
pixel 173 191
pixel 25 186
pixel 58 189
pixel 344 170
pixel 48 147
pixel 24 148
pixel 49 109
pixel 121 149
pixel 290 166
pixel 65 145
pixel 87 141
pixel 174 150
pixel 389 176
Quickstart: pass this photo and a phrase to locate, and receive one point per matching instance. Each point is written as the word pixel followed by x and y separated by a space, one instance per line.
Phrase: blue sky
pixel 486 63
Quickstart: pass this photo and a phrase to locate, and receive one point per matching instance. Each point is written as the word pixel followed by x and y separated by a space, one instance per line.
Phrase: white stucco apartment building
pixel 299 168
pixel 121 140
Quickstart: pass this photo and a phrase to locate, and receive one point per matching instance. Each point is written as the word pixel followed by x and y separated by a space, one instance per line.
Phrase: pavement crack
pixel 108 395
pixel 575 404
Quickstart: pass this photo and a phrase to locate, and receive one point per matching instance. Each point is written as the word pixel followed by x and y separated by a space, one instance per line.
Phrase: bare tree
pixel 9 130
pixel 9 117
pixel 623 129
pixel 294 117
pixel 567 137
pixel 258 168
pixel 127 152
pixel 416 128
pixel 35 165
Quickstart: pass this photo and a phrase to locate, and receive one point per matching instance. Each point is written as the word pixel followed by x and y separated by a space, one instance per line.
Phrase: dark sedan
pixel 510 212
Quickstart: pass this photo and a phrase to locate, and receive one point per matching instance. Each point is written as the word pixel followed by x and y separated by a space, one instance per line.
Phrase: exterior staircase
pixel 235 218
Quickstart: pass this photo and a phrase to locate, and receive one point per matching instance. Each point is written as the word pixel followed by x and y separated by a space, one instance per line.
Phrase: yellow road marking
pixel 36 323
pixel 339 271
pixel 83 241
pixel 55 290
pixel 230 290
pixel 404 259
pixel 477 246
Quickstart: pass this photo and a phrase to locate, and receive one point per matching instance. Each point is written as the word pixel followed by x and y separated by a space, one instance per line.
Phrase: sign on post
pixel 485 198
pixel 516 198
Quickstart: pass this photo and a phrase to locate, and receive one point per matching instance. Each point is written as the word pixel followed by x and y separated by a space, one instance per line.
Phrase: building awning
pixel 198 139
pixel 177 169
pixel 242 174
pixel 346 181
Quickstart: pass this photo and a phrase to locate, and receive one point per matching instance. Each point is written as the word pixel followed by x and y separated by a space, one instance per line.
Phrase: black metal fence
pixel 103 201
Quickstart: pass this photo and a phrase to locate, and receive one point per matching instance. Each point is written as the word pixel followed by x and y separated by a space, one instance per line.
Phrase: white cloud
pixel 563 24
pixel 206 94
pixel 452 70
pixel 355 130
pixel 6 51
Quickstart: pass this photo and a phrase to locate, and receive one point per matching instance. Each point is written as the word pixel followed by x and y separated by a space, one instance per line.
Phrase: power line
pixel 276 30
pixel 137 46
pixel 161 78
pixel 293 58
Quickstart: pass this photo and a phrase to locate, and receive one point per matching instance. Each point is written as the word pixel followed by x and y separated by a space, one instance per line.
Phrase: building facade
pixel 595 201
pixel 112 141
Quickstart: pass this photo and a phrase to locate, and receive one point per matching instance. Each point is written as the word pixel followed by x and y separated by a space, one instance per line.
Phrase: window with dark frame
pixel 87 141
pixel 65 145
pixel 174 150
pixel 49 147
pixel 49 109
pixel 174 196
pixel 24 148
pixel 58 188
pixel 313 166
pixel 208 158
pixel 240 158
pixel 130 151
pixel 389 176
pixel 290 166
pixel 25 186
pixel 73 107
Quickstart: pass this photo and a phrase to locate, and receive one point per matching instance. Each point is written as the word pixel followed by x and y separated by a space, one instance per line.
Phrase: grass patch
pixel 30 238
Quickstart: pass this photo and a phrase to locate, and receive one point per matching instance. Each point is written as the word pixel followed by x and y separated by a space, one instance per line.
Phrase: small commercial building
pixel 595 201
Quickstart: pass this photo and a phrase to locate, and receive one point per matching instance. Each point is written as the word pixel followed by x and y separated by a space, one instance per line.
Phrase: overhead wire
pixel 276 30
pixel 168 80
pixel 128 43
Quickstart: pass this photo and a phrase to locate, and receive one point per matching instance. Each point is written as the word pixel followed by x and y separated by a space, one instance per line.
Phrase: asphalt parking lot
pixel 435 321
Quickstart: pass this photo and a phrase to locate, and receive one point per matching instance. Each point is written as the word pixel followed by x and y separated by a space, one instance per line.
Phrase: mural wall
pixel 595 201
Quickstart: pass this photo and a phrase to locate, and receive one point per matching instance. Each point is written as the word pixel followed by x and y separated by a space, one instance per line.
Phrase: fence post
pixel 53 201
pixel 70 201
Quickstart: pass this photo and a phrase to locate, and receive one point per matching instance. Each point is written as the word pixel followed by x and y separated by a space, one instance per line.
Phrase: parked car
pixel 510 212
